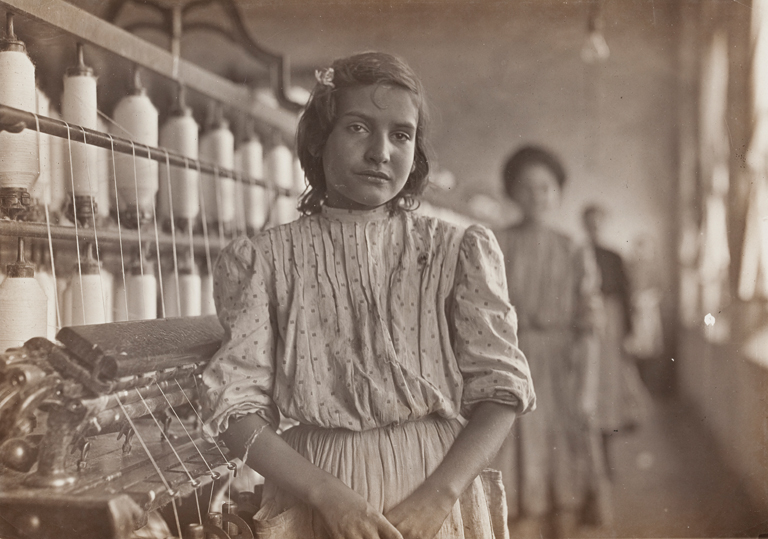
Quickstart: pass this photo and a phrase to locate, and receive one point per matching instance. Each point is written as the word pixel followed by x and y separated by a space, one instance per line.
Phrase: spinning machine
pixel 110 223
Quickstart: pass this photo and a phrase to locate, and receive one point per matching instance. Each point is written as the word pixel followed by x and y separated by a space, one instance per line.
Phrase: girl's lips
pixel 374 174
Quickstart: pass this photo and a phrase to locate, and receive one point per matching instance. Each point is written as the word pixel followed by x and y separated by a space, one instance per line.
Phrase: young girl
pixel 372 327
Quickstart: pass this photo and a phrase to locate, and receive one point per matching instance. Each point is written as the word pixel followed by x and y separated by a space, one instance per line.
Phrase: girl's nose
pixel 378 150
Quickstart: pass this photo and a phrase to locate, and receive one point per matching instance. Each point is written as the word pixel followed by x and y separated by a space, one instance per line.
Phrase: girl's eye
pixel 402 136
pixel 357 128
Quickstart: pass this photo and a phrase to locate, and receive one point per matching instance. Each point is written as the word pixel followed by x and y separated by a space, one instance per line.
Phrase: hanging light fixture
pixel 595 49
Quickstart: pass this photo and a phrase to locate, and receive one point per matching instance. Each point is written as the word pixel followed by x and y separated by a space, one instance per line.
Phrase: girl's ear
pixel 413 167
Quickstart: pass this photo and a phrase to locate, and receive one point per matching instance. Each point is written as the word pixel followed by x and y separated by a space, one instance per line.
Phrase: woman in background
pixel 548 463
pixel 622 403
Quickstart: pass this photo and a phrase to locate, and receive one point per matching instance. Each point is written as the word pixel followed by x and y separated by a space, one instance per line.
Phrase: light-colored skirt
pixel 384 466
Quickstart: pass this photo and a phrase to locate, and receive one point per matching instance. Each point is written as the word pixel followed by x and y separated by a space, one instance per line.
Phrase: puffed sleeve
pixel 485 328
pixel 238 380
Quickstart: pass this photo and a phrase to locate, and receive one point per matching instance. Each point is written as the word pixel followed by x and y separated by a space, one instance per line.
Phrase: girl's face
pixel 537 191
pixel 369 153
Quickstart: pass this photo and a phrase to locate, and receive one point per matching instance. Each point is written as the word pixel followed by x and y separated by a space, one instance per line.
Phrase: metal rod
pixel 10 116
pixel 58 232
pixel 87 27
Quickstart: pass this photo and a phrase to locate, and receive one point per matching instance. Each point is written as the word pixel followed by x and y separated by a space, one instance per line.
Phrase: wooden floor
pixel 669 481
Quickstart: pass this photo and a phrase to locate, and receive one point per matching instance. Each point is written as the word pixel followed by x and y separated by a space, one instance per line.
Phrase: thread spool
pixel 78 106
pixel 180 134
pixel 217 146
pixel 137 179
pixel 41 190
pixel 18 151
pixel 254 196
pixel 278 165
pixel 23 304
pixel 208 305
pixel 142 292
pixel 87 294
pixel 105 198
pixel 189 292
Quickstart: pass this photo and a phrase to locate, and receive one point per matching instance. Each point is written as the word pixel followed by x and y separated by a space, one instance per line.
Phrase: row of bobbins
pixel 65 181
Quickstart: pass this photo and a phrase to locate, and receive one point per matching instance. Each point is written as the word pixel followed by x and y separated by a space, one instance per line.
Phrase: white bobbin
pixel 137 179
pixel 180 134
pixel 87 295
pixel 79 107
pixel 18 151
pixel 217 146
pixel 189 292
pixel 252 165
pixel 142 293
pixel 23 304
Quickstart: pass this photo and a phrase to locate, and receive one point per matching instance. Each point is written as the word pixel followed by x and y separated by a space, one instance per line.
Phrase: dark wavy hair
pixel 531 155
pixel 319 117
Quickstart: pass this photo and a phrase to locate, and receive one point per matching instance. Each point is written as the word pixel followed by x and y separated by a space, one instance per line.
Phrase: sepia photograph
pixel 383 269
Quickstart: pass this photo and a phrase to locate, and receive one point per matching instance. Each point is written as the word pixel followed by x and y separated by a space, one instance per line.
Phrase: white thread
pixel 151 459
pixel 206 285
pixel 78 106
pixel 41 190
pixel 142 296
pixel 94 185
pixel 159 263
pixel 186 300
pixel 137 181
pixel 180 134
pixel 173 232
pixel 46 280
pixel 254 199
pixel 53 267
pixel 23 308
pixel 74 212
pixel 88 299
pixel 104 178
pixel 144 309
pixel 59 174
pixel 119 235
pixel 278 167
pixel 218 147
pixel 18 151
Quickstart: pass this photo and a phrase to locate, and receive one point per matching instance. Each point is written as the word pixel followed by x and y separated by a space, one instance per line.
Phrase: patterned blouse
pixel 363 319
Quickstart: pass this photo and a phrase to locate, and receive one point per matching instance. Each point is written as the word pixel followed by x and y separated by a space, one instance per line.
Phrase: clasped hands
pixel 348 515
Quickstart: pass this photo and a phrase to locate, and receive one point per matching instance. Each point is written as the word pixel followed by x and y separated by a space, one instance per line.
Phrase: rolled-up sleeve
pixel 485 325
pixel 239 378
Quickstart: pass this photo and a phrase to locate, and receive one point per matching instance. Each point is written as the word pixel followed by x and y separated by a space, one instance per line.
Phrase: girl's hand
pixel 421 514
pixel 348 515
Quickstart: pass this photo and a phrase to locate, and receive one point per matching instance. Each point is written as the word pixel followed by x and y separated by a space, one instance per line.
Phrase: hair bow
pixel 325 76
